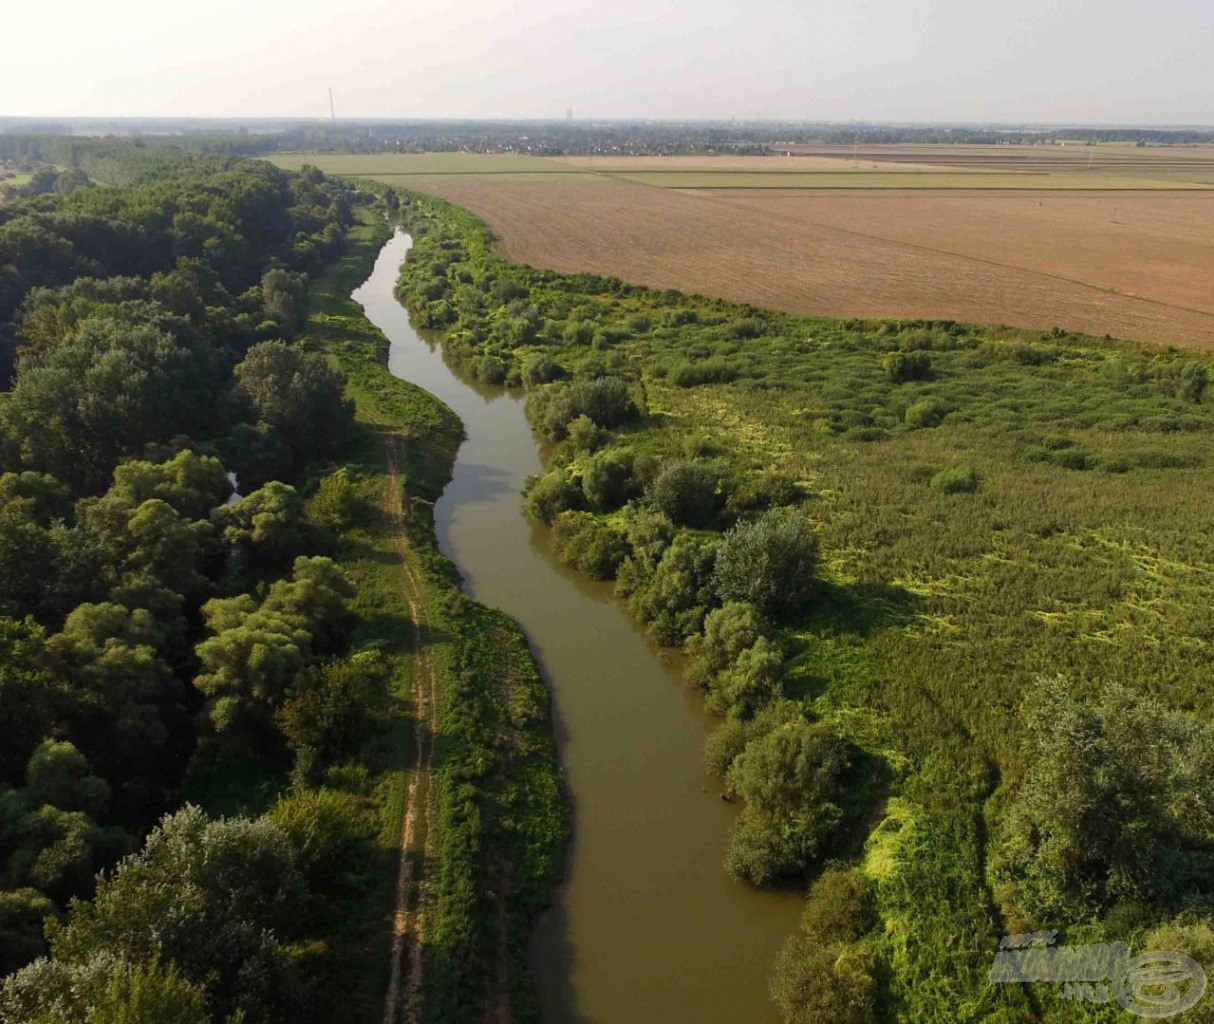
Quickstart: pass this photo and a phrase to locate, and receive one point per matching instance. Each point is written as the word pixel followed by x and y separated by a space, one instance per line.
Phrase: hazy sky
pixel 1028 60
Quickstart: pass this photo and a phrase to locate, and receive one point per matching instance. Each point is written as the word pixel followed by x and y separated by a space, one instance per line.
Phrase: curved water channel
pixel 647 928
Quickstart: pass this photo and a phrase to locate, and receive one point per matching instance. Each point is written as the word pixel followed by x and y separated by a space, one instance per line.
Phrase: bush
pixel 927 413
pixel 686 492
pixel 770 562
pixel 824 983
pixel 956 481
pixel 607 480
pixel 902 367
pixel 587 436
pixel 750 683
pixel 539 368
pixel 605 400
pixel 842 906
pixel 670 594
pixel 728 631
pixel 551 494
pixel 584 543
pixel 710 371
pixel 789 778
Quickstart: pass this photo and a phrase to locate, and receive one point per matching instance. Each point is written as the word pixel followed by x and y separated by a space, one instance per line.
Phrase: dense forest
pixel 947 587
pixel 169 644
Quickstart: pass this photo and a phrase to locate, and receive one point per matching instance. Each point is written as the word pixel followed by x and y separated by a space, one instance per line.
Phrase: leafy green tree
pixel 686 492
pixel 191 484
pixel 284 297
pixel 58 774
pixel 107 390
pixel 257 651
pixel 216 898
pixel 266 528
pixel 1114 797
pixel 102 990
pixel 607 480
pixel 789 779
pixel 22 913
pixel 27 557
pixel 106 655
pixel 770 562
pixel 31 698
pixel 331 710
pixel 298 394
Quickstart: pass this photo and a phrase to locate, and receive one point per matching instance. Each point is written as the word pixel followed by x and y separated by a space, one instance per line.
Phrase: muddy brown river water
pixel 647 927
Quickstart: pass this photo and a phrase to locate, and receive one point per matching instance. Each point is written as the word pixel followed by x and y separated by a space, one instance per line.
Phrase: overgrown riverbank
pixel 881 542
pixel 497 816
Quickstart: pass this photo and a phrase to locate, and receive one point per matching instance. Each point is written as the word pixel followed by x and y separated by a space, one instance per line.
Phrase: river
pixel 647 928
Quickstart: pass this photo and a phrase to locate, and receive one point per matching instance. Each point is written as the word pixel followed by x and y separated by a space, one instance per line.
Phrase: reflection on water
pixel 647 928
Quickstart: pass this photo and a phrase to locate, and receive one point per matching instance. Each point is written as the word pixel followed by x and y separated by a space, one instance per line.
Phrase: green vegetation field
pixel 765 173
pixel 870 179
pixel 949 587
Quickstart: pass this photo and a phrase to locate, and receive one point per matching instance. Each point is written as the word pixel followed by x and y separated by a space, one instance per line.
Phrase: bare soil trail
pixel 409 914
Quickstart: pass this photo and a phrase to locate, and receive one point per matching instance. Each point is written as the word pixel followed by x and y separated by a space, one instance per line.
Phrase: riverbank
pixel 473 794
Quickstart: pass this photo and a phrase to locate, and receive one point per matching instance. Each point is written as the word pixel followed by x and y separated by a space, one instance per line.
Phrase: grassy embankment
pixel 993 507
pixel 496 807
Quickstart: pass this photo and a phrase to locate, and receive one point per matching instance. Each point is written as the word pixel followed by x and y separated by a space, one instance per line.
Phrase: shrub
pixel 789 778
pixel 605 400
pixel 926 413
pixel 842 906
pixel 686 492
pixel 770 562
pixel 1194 380
pixel 728 631
pixel 584 543
pixel 607 480
pixel 673 596
pixel 539 368
pixel 824 983
pixel 956 481
pixel 750 683
pixel 338 503
pixel 587 436
pixel 758 492
pixel 902 367
pixel 710 371
pixel 551 494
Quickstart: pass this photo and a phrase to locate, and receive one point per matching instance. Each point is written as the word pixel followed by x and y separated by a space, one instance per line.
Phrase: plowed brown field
pixel 1133 264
